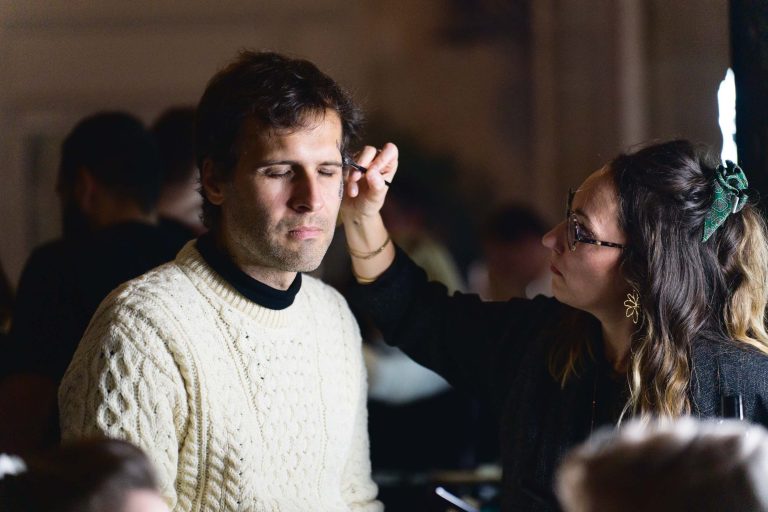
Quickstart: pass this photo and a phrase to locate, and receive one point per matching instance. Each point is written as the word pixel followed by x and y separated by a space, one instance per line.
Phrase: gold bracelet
pixel 368 255
pixel 363 280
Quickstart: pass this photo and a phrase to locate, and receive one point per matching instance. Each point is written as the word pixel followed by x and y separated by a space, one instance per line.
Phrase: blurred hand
pixel 366 192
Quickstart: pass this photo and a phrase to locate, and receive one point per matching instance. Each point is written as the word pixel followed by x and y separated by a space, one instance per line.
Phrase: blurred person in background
pixel 242 377
pixel 660 279
pixel 515 263
pixel 706 466
pixel 108 183
pixel 394 378
pixel 406 214
pixel 409 402
pixel 101 475
pixel 180 206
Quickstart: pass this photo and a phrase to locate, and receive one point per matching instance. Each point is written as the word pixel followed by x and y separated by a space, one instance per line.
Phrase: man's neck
pixel 277 279
pixel 270 276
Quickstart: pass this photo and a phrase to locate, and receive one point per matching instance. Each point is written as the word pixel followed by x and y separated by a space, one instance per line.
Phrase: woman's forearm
pixel 370 247
pixel 368 242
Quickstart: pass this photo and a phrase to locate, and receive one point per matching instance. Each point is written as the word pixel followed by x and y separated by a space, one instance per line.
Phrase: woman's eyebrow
pixel 587 222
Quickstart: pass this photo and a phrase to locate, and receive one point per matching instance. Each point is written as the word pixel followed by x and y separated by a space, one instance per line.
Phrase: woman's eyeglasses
pixel 576 232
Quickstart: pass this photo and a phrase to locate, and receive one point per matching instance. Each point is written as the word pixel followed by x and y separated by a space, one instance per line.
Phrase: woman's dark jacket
pixel 499 352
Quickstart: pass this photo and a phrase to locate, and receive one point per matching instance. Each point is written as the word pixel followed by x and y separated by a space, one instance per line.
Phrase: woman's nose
pixel 553 239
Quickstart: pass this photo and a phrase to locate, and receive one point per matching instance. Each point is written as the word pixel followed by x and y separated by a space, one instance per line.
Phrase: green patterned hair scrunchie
pixel 730 196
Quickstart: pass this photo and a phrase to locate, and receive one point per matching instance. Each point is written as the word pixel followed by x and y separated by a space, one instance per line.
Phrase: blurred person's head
pixel 180 198
pixel 637 250
pixel 86 476
pixel 513 251
pixel 705 466
pixel 271 135
pixel 406 210
pixel 109 171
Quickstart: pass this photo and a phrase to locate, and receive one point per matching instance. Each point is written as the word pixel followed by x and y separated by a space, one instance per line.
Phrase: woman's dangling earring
pixel 633 306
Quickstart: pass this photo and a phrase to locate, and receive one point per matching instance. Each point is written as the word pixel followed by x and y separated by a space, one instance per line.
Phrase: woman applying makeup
pixel 660 283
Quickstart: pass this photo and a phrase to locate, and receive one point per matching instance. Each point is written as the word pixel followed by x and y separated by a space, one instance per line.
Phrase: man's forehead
pixel 310 121
pixel 255 136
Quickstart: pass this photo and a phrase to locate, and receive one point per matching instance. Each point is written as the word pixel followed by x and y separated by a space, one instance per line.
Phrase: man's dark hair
pixel 119 152
pixel 278 92
pixel 86 476
pixel 174 133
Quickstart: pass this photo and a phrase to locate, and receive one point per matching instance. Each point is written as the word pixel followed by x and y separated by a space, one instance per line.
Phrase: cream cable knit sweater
pixel 240 407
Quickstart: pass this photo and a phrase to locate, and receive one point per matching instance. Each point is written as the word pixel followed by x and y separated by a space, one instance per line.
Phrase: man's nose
pixel 306 194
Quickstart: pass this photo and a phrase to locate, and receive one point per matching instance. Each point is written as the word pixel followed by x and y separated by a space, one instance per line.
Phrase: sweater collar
pixel 254 290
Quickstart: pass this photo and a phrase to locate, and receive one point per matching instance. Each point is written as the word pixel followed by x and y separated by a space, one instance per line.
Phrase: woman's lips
pixel 555 271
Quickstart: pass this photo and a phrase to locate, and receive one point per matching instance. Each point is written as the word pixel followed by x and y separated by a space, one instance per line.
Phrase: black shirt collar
pixel 256 291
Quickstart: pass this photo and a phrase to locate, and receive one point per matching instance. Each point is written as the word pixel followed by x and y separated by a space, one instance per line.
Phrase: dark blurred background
pixel 499 100
pixel 498 107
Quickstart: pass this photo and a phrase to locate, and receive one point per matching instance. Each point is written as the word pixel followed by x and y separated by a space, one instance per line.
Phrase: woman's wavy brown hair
pixel 689 290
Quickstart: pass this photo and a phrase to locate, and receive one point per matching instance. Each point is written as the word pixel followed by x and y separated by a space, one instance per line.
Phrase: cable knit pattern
pixel 241 408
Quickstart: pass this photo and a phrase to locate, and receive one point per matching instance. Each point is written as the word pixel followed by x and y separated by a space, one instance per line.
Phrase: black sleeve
pixel 45 327
pixel 475 345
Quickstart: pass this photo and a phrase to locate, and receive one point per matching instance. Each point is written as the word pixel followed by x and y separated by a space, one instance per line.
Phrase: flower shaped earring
pixel 633 306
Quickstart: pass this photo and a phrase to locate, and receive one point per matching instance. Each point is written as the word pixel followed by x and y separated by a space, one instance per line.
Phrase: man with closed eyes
pixel 240 377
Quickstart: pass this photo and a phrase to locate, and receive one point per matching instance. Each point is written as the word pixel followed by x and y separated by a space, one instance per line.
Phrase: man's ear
pixel 210 184
pixel 84 191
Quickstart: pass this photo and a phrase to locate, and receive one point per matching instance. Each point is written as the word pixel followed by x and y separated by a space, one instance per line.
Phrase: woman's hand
pixel 366 191
pixel 369 243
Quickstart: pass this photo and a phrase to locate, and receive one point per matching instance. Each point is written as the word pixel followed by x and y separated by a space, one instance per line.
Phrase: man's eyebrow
pixel 266 163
